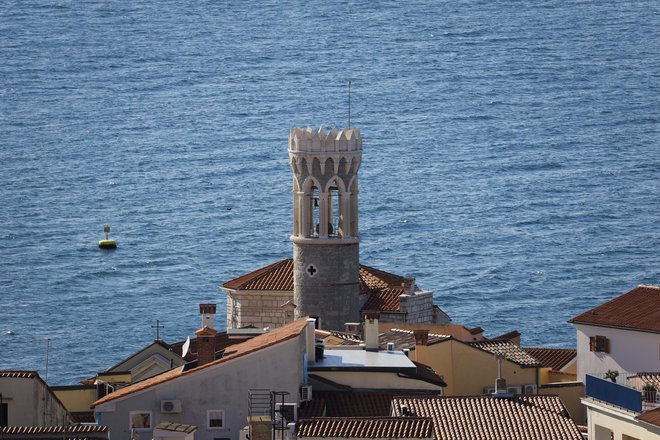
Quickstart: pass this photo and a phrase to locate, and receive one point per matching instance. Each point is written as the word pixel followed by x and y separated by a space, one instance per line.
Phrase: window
pixel 599 344
pixel 4 414
pixel 215 418
pixel 139 419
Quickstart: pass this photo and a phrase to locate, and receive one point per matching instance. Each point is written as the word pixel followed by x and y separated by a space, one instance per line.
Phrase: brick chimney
pixel 421 337
pixel 421 343
pixel 206 335
pixel 205 345
pixel 371 331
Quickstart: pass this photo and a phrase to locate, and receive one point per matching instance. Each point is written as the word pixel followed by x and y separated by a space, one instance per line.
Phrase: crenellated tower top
pixel 325 166
pixel 308 140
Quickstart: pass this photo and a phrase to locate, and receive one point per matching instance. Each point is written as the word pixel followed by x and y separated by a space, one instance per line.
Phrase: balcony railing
pixel 646 385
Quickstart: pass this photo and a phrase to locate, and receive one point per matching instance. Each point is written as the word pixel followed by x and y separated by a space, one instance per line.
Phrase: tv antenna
pixel 158 327
pixel 47 341
pixel 349 103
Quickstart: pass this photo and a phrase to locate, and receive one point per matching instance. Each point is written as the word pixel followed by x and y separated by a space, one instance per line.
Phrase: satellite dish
pixel 186 347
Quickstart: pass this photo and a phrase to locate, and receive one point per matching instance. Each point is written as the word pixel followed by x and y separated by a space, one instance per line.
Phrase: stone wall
pixel 418 307
pixel 259 309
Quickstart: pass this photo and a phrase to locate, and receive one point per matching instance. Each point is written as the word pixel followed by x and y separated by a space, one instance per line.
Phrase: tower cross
pixel 158 327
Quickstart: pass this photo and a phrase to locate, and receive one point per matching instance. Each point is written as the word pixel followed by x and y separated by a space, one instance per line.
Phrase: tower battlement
pixel 307 140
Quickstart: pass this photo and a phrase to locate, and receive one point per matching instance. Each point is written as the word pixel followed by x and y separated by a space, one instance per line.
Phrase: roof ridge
pixel 265 340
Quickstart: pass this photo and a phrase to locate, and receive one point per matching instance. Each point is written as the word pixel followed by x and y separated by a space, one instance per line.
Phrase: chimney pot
pixel 421 337
pixel 371 330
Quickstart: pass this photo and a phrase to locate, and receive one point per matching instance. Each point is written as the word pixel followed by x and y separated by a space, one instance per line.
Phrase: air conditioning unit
pixel 170 406
pixel 514 389
pixel 530 389
pixel 287 412
pixel 489 390
pixel 306 393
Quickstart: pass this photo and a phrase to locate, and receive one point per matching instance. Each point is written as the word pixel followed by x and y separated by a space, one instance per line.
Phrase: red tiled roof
pixel 385 300
pixel 373 278
pixel 276 276
pixel 428 374
pixel 457 331
pixel 222 341
pixel 638 309
pixel 260 342
pixel 510 350
pixel 553 358
pixel 652 417
pixel 347 404
pixel 21 374
pixel 494 418
pixel 405 339
pixel 279 276
pixel 385 427
pixel 383 287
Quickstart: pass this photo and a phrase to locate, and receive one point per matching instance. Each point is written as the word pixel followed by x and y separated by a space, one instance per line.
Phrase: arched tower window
pixel 335 211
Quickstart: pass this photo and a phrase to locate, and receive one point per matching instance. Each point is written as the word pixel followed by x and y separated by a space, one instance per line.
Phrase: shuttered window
pixel 599 344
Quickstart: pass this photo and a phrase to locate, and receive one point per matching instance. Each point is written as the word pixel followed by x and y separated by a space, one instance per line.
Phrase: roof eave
pixel 618 327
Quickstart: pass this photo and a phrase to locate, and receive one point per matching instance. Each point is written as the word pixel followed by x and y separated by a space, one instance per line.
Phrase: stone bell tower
pixel 325 224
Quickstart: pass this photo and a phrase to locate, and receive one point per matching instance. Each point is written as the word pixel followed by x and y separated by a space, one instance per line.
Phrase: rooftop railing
pixel 635 391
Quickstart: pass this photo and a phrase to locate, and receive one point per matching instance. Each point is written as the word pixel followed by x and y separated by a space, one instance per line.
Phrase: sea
pixel 511 159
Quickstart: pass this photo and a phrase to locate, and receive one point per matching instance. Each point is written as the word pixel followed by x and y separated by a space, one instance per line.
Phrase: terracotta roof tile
pixel 652 417
pixel 510 350
pixel 384 287
pixel 553 358
pixel 385 427
pixel 222 341
pixel 457 331
pixel 351 404
pixel 21 374
pixel 176 427
pixel 493 418
pixel 276 276
pixel 428 374
pixel 385 300
pixel 373 278
pixel 260 342
pixel 405 339
pixel 279 276
pixel 638 309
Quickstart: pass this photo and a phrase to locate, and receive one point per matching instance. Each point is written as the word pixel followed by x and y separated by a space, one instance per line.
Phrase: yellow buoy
pixel 107 243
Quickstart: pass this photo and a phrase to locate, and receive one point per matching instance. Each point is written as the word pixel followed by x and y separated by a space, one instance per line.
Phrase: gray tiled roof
pixel 510 350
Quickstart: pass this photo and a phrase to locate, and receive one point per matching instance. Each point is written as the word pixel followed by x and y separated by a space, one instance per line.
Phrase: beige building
pixel 468 368
pixel 26 400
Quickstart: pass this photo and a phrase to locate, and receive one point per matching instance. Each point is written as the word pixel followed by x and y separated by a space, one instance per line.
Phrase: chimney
pixel 310 335
pixel 421 337
pixel 352 328
pixel 500 382
pixel 205 345
pixel 371 331
pixel 208 312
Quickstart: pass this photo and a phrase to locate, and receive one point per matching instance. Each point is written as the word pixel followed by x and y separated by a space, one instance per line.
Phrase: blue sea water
pixel 511 158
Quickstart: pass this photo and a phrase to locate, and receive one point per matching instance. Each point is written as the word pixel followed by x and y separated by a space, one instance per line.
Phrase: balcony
pixel 633 391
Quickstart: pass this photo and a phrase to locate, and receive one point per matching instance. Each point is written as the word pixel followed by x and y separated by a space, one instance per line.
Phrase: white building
pixel 620 335
pixel 212 394
pixel 618 358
